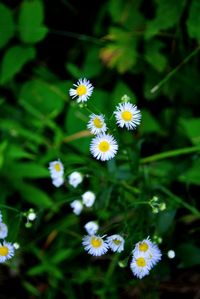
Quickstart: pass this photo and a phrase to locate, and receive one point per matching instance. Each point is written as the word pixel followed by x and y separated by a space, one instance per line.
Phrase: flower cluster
pixel 87 199
pixel 104 146
pixel 145 256
pixel 6 248
pixel 97 245
pixel 156 205
pixel 56 169
pixel 30 216
pixel 74 179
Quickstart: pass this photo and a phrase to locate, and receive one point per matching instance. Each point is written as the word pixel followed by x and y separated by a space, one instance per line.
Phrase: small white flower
pixel 97 124
pixel 56 169
pixel 127 115
pixel 16 245
pixel 3 230
pixel 116 243
pixel 83 90
pixel 171 254
pixel 149 249
pixel 6 251
pixel 103 147
pixel 88 198
pixel 0 217
pixel 58 181
pixel 31 216
pixel 140 265
pixel 95 245
pixel 75 178
pixel 91 227
pixel 77 206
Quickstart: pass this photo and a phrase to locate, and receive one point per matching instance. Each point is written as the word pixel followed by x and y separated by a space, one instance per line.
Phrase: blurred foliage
pixel 145 49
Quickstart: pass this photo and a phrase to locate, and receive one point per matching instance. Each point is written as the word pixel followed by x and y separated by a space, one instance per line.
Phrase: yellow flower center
pixel 126 115
pixel 104 146
pixel 141 262
pixel 117 242
pixel 98 123
pixel 96 242
pixel 81 90
pixel 3 251
pixel 143 247
pixel 57 167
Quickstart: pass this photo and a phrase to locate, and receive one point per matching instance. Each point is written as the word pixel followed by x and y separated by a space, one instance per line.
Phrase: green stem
pixel 10 208
pixel 81 37
pixel 169 75
pixel 130 188
pixel 180 201
pixel 169 154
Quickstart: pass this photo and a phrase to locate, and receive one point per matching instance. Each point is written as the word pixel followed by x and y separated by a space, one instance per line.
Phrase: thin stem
pixel 169 154
pixel 78 36
pixel 170 74
pixel 130 188
pixel 180 201
pixel 10 208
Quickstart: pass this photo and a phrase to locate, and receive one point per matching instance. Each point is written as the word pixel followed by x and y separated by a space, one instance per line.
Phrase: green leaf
pixel 30 288
pixel 35 196
pixel 192 176
pixel 16 152
pixel 13 61
pixel 3 148
pixel 31 29
pixel 74 70
pixel 75 122
pixel 121 52
pixel 165 220
pixel 42 98
pixel 193 22
pixel 6 25
pixel 189 255
pixel 13 127
pixel 120 90
pixel 167 16
pixel 154 57
pixel 91 60
pixel 191 128
pixel 29 170
pixel 61 255
pixel 149 123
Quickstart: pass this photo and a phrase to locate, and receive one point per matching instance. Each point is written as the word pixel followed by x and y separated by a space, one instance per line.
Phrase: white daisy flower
pixel 77 206
pixel 6 251
pixel 95 245
pixel 88 198
pixel 3 230
pixel 103 147
pixel 151 250
pixel 97 124
pixel 56 169
pixel 140 265
pixel 75 178
pixel 127 115
pixel 58 181
pixel 116 243
pixel 91 227
pixel 83 90
pixel 171 254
